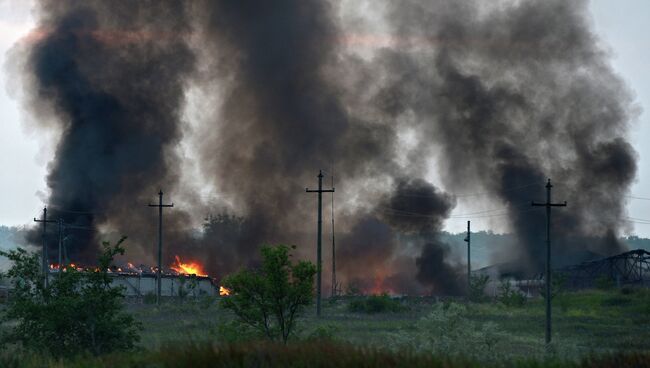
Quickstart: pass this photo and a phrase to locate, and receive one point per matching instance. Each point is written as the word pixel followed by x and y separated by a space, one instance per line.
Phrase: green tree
pixel 77 312
pixel 271 298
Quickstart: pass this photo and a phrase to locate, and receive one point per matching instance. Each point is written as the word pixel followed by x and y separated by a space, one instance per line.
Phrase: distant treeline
pixel 12 236
pixel 485 242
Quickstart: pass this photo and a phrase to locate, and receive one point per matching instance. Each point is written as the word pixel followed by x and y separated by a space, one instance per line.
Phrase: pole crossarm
pixel 319 267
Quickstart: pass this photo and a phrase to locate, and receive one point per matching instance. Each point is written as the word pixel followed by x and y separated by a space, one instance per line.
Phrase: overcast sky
pixel 24 153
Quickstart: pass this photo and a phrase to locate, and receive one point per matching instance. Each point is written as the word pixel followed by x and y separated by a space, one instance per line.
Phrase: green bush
pixel 375 304
pixel 604 282
pixel 270 299
pixel 149 298
pixel 78 312
pixel 448 330
pixel 510 296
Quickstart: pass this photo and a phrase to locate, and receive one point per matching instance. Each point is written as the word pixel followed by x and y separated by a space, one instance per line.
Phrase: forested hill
pixel 12 236
pixel 484 243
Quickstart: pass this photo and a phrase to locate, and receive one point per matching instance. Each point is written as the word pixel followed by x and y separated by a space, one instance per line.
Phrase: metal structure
pixel 319 261
pixel 629 268
pixel 547 276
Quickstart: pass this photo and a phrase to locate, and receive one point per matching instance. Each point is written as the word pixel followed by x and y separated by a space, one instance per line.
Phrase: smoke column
pixel 113 74
pixel 515 92
pixel 500 95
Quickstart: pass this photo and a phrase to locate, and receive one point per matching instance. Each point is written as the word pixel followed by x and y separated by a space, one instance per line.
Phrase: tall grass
pixel 306 354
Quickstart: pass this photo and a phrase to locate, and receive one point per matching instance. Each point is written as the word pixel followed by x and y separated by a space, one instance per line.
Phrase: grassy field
pixel 586 324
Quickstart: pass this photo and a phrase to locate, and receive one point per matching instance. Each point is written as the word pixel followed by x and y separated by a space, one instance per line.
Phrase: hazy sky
pixel 24 153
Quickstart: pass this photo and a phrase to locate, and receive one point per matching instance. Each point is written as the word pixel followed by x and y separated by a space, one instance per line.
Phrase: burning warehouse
pixel 179 280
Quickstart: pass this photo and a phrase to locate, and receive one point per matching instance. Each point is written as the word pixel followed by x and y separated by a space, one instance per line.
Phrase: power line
pixel 396 212
pixel 507 190
pixel 641 198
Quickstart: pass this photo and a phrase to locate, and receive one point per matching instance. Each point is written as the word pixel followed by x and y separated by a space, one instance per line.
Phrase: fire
pixel 223 291
pixel 190 268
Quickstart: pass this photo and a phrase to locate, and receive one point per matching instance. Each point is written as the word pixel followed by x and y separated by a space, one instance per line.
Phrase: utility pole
pixel 160 206
pixel 333 247
pixel 60 223
pixel 469 265
pixel 319 239
pixel 45 265
pixel 548 206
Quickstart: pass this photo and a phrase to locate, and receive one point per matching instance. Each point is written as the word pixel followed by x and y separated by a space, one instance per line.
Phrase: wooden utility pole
pixel 160 206
pixel 319 237
pixel 333 247
pixel 548 206
pixel 45 261
pixel 469 264
pixel 60 223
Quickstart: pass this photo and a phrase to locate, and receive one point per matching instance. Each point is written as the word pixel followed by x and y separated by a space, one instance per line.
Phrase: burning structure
pixel 181 279
pixel 426 99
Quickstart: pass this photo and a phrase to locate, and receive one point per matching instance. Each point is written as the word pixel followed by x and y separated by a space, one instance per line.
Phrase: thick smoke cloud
pixel 113 75
pixel 515 93
pixel 501 95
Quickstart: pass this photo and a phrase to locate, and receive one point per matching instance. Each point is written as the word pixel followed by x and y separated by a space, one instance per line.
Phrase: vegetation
pixel 375 304
pixel 200 332
pixel 510 296
pixel 309 354
pixel 78 312
pixel 477 285
pixel 270 299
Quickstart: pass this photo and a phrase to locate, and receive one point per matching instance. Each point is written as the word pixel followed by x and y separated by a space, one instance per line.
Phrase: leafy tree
pixel 77 312
pixel 269 299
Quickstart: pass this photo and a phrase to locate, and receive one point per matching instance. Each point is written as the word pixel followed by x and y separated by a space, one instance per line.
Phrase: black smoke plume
pixel 112 73
pixel 499 95
pixel 514 93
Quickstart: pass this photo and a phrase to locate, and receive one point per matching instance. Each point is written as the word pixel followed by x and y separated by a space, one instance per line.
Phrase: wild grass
pixel 599 328
pixel 303 354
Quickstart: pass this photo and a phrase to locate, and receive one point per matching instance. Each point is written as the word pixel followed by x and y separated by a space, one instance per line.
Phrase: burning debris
pixel 496 96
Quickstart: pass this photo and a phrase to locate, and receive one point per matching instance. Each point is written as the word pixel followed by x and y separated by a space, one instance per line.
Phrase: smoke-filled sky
pixel 25 152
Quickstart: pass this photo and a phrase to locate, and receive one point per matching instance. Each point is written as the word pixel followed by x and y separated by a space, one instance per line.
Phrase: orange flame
pixel 190 268
pixel 223 291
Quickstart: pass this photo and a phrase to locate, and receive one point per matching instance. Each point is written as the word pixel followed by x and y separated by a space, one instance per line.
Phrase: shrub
pixel 149 298
pixel 558 285
pixel 375 304
pixel 270 299
pixel 604 282
pixel 77 312
pixel 477 285
pixel 510 296
pixel 448 330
